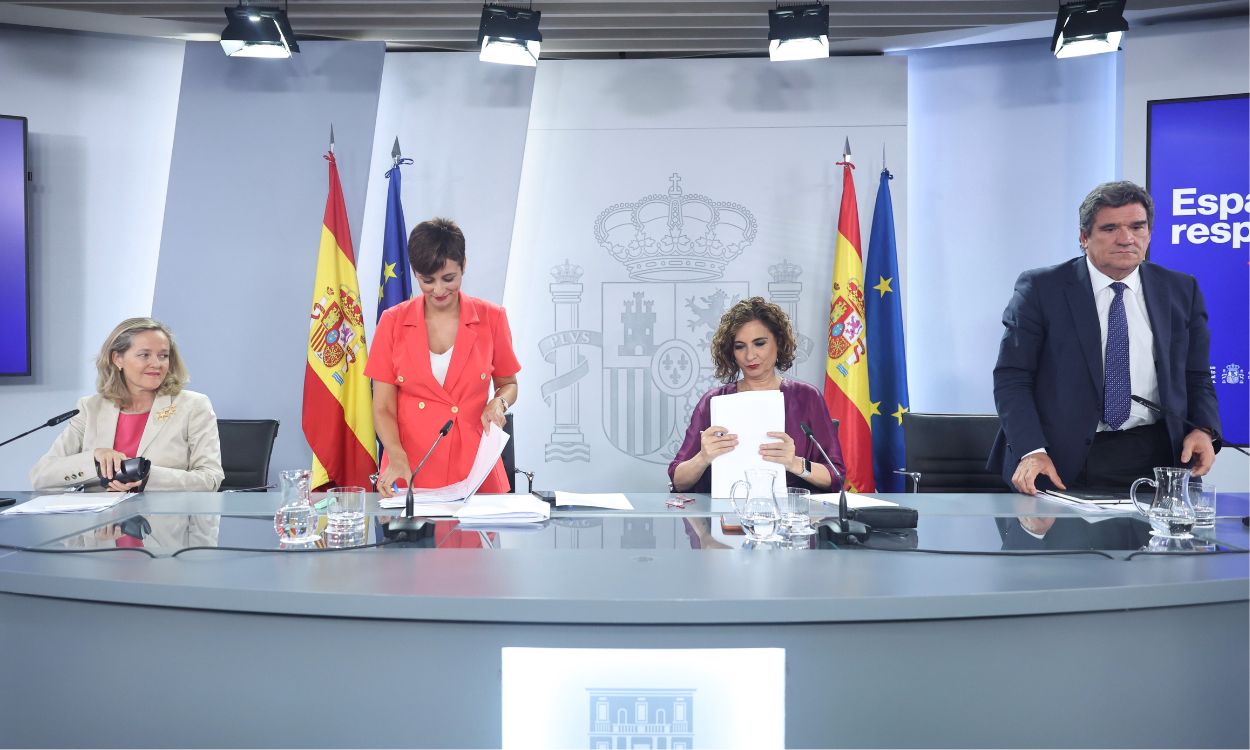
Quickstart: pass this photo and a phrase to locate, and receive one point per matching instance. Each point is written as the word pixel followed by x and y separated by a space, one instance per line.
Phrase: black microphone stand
pixel 1160 409
pixel 847 531
pixel 50 423
pixel 405 528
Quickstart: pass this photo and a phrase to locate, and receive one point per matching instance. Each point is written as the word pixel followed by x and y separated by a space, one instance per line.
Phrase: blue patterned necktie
pixel 1116 385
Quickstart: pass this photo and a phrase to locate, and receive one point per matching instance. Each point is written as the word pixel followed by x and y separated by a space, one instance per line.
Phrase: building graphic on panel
pixel 637 719
pixel 656 330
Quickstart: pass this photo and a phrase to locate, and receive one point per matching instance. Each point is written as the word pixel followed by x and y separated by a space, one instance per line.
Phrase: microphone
pixel 50 423
pixel 1160 409
pixel 406 526
pixel 847 531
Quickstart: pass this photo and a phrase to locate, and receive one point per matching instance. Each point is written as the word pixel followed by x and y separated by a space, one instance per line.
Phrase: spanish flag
pixel 338 404
pixel 846 369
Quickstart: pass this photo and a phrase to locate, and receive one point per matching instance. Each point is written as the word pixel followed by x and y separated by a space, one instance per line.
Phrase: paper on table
pixel 70 502
pixel 503 509
pixel 854 500
pixel 751 416
pixel 610 500
pixel 489 449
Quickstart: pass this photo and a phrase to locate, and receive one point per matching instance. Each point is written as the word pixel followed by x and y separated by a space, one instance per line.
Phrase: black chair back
pixel 246 446
pixel 509 453
pixel 949 451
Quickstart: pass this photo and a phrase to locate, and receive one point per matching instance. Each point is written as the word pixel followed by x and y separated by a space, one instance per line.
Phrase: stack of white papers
pixel 503 510
pixel 70 502
pixel 750 415
pixel 489 449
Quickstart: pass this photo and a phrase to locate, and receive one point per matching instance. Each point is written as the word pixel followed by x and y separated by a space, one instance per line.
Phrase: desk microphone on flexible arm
pixel 407 526
pixel 50 423
pixel 1160 409
pixel 847 531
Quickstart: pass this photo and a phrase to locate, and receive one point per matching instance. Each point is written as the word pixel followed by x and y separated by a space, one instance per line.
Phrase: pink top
pixel 129 432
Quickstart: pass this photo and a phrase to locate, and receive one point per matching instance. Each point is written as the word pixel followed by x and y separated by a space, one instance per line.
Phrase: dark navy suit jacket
pixel 1048 382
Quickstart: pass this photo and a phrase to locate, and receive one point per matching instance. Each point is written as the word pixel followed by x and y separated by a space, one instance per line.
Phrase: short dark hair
pixel 1114 195
pixel 754 308
pixel 433 243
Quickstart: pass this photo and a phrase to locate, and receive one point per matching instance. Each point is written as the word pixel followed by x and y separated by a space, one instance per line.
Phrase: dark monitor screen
pixel 1198 171
pixel 14 258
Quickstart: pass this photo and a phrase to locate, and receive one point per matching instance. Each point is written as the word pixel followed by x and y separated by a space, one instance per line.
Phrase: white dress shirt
pixel 1141 344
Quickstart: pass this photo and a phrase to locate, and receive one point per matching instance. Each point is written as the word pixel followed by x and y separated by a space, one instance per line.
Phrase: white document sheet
pixel 609 500
pixel 750 415
pixel 853 500
pixel 70 502
pixel 488 452
pixel 497 510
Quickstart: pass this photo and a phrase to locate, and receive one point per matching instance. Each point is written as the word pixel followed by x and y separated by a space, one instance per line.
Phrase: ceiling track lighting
pixel 1088 27
pixel 798 32
pixel 258 31
pixel 509 35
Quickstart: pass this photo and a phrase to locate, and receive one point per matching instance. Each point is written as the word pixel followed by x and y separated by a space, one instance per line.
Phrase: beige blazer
pixel 180 439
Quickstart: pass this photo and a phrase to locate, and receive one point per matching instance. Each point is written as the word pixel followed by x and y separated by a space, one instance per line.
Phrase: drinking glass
pixel 345 517
pixel 1202 497
pixel 796 512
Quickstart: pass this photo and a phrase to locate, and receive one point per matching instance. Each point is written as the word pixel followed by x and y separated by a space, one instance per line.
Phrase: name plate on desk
pixel 692 698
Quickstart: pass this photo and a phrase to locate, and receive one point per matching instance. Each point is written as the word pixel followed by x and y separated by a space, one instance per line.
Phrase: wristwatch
pixel 807 469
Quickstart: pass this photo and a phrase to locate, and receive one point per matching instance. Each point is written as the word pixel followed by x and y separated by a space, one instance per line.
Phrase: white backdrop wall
pixel 1005 141
pixel 462 122
pixel 101 115
pixel 653 194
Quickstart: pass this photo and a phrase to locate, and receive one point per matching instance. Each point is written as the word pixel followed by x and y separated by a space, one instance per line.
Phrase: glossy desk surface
pixel 654 565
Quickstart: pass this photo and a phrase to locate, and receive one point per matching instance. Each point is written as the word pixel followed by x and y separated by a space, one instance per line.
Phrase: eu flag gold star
pixel 388 272
pixel 884 286
pixel 875 406
pixel 898 414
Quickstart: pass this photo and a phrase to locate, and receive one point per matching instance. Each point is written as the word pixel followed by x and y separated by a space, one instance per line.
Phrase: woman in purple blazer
pixel 752 346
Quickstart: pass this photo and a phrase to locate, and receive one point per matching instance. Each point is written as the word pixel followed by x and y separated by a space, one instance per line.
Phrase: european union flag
pixel 396 281
pixel 887 359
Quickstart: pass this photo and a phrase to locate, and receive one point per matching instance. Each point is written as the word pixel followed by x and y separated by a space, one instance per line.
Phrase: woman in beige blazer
pixel 139 388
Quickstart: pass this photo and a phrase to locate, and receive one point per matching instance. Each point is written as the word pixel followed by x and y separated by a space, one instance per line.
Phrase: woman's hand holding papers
pixel 780 452
pixel 716 441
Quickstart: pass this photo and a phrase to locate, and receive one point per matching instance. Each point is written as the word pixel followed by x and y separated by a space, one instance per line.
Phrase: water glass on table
pixel 1202 497
pixel 796 512
pixel 345 517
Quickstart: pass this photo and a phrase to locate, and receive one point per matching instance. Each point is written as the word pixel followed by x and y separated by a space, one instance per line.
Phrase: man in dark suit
pixel 1086 334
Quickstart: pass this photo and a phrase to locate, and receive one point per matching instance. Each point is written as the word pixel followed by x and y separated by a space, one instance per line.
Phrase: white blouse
pixel 439 364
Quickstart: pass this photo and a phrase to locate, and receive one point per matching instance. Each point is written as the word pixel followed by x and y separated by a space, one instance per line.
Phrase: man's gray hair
pixel 1114 195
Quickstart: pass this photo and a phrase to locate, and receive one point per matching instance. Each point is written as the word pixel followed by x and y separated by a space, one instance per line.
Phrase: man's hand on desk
pixel 1030 468
pixel 1198 446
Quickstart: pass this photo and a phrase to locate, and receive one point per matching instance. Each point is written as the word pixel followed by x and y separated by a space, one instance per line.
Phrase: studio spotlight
pixel 1088 27
pixel 798 32
pixel 258 31
pixel 509 35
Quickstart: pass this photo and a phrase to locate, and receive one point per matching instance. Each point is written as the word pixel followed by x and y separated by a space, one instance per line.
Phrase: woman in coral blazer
pixel 140 409
pixel 437 358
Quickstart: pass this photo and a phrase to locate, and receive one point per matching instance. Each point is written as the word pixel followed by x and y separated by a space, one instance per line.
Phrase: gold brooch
pixel 167 412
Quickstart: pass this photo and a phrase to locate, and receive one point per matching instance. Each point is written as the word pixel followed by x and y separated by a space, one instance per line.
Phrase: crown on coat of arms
pixel 675 236
pixel 566 273
pixel 785 271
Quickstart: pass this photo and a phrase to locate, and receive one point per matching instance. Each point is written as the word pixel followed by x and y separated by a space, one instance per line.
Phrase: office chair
pixel 947 452
pixel 246 446
pixel 509 457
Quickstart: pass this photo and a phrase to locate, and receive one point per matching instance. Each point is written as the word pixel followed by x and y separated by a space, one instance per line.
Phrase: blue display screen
pixel 14 268
pixel 1198 171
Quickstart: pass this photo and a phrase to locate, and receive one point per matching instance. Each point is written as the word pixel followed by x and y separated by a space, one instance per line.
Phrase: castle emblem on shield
pixel 657 327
